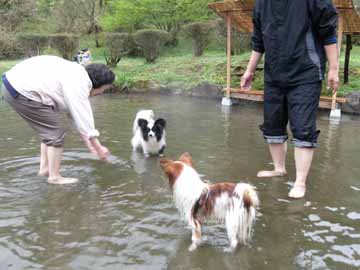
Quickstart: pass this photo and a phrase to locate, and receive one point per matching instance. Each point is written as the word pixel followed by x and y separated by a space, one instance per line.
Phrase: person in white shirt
pixel 41 89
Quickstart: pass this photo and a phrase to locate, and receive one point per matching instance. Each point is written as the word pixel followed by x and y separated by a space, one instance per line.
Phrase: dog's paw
pixel 192 247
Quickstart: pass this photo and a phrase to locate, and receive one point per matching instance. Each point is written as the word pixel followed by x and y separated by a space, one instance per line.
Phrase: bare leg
pixel 44 163
pixel 303 159
pixel 278 154
pixel 196 236
pixel 54 158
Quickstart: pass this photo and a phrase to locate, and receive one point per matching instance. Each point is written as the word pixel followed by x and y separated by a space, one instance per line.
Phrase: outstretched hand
pixel 246 81
pixel 102 152
pixel 96 148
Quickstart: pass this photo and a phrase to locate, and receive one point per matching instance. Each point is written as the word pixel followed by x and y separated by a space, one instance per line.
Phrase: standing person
pixel 40 89
pixel 296 37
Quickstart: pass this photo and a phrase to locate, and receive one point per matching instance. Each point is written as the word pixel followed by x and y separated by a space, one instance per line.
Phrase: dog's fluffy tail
pixel 244 212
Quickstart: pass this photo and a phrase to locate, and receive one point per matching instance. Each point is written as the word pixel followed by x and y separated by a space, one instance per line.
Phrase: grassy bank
pixel 178 65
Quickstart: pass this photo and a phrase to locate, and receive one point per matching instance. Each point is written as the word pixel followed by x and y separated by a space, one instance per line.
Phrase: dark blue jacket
pixel 292 34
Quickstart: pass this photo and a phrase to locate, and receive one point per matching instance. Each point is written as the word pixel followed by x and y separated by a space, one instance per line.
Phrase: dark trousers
pixel 297 105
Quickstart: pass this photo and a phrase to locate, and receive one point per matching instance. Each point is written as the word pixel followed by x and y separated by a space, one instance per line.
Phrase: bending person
pixel 41 89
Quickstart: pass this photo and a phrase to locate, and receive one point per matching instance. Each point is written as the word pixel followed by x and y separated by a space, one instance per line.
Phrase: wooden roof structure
pixel 241 14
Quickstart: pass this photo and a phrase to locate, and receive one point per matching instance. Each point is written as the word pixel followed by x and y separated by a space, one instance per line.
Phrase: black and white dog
pixel 149 134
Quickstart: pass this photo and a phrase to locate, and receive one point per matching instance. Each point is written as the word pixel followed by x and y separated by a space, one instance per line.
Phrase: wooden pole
pixel 228 51
pixel 339 40
pixel 347 58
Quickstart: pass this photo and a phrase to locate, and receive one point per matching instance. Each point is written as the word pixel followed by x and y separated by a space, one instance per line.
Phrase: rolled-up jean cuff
pixel 275 139
pixel 304 144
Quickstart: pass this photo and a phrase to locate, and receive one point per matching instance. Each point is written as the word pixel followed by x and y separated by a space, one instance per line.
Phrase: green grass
pixel 178 65
pixel 6 65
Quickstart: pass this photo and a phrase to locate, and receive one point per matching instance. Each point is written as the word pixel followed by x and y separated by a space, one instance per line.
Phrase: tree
pixel 123 15
pixel 13 13
pixel 166 15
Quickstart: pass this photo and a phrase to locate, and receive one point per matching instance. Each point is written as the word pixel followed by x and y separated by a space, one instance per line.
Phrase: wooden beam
pixel 256 95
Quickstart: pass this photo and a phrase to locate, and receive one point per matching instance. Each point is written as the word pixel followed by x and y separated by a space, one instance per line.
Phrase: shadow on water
pixel 121 216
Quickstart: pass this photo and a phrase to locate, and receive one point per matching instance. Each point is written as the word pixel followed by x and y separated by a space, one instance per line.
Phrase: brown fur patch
pixel 186 158
pixel 171 169
pixel 247 200
pixel 205 205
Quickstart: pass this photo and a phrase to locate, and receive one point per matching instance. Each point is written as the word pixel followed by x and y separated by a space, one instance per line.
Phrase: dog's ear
pixel 142 123
pixel 172 169
pixel 186 158
pixel 160 122
pixel 166 164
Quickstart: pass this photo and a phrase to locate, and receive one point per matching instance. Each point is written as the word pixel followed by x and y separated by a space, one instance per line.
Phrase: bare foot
pixel 263 174
pixel 297 192
pixel 43 173
pixel 62 181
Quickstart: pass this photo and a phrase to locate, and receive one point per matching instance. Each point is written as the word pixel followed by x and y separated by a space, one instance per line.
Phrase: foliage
pixel 240 42
pixel 134 49
pixel 116 46
pixel 166 15
pixel 199 33
pixel 13 13
pixel 66 44
pixel 32 44
pixel 151 42
pixel 9 48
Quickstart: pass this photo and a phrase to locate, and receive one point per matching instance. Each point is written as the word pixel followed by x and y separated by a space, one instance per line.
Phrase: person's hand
pixel 102 152
pixel 95 147
pixel 246 80
pixel 333 79
pixel 88 144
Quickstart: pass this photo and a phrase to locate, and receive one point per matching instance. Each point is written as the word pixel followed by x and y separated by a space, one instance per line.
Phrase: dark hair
pixel 100 74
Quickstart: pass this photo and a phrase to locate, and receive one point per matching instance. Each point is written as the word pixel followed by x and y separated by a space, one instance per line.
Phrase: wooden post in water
pixel 226 101
pixel 347 58
pixel 339 40
pixel 228 64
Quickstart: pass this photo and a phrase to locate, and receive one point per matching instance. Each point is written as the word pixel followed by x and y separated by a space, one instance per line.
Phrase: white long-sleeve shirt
pixel 56 82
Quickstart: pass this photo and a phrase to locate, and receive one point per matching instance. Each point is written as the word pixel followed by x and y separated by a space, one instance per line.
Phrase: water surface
pixel 121 216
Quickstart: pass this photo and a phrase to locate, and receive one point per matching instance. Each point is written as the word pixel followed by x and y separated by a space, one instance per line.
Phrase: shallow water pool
pixel 121 216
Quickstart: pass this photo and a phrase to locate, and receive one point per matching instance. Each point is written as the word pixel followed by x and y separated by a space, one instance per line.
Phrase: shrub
pixel 9 48
pixel 199 33
pixel 151 42
pixel 66 44
pixel 32 44
pixel 116 46
pixel 134 49
pixel 99 39
pixel 240 42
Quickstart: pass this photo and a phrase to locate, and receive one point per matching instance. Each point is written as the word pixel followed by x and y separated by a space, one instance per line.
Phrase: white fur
pixel 186 191
pixel 143 114
pixel 152 146
pixel 230 210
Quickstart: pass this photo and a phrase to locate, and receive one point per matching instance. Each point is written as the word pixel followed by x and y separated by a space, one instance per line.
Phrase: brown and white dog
pixel 198 202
